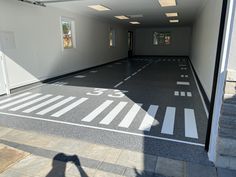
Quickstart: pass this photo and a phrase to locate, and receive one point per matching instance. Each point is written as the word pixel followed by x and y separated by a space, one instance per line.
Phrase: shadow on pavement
pixel 59 165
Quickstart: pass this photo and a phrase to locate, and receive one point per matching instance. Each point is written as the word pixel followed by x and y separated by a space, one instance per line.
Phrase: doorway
pixel 130 44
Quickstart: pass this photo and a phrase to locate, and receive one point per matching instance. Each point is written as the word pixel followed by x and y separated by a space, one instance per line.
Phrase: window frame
pixel 158 38
pixel 73 34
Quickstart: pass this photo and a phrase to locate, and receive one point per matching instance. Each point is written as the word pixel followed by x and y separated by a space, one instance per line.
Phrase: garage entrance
pixel 153 99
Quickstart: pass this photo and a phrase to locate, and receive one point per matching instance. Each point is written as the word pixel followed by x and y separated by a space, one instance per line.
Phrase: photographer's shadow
pixel 59 165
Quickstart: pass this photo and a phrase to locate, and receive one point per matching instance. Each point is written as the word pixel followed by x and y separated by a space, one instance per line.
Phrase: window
pixel 112 38
pixel 68 35
pixel 161 38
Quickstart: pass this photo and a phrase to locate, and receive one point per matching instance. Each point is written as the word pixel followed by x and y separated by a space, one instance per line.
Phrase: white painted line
pixel 97 111
pixel 182 65
pixel 42 104
pixel 149 118
pixel 182 76
pixel 183 83
pixel 189 94
pixel 100 128
pixel 118 84
pixel 19 101
pixel 182 93
pixel 127 78
pixel 190 124
pixel 176 93
pixel 68 108
pixel 186 76
pixel 169 121
pixel 80 76
pixel 15 97
pixel 128 119
pixel 30 103
pixel 112 115
pixel 134 74
pixel 139 70
pixel 93 71
pixel 199 91
pixel 51 108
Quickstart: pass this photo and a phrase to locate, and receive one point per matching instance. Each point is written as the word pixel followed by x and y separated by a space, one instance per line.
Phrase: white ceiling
pixel 153 13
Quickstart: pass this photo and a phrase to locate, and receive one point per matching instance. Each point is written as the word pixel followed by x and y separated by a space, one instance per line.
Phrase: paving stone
pixel 196 170
pixel 112 155
pixel 12 173
pixel 76 171
pixel 9 156
pixel 4 131
pixel 222 172
pixel 133 172
pixel 226 146
pixel 170 167
pixel 117 169
pixel 222 161
pixel 105 174
pixel 137 160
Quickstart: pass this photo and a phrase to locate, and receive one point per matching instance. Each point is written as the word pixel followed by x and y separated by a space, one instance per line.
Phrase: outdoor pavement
pixel 31 154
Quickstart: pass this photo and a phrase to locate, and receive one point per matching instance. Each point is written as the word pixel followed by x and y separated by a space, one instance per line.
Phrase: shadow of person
pixel 59 165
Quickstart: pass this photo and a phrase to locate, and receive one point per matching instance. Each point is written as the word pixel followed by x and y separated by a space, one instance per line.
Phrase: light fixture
pixel 99 7
pixel 167 3
pixel 174 21
pixel 174 14
pixel 122 17
pixel 135 23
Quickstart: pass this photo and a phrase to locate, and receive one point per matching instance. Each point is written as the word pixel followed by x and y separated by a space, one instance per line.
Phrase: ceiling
pixel 153 13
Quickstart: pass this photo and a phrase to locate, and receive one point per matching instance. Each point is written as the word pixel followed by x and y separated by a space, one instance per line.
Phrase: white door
pixel 3 88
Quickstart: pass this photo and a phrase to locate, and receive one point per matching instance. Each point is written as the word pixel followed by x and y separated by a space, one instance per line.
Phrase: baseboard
pixel 174 56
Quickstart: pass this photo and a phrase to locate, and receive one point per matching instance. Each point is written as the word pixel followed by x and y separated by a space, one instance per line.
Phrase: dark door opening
pixel 130 44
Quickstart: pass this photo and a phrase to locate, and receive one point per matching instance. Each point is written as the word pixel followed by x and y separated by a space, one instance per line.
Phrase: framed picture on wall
pixel 161 38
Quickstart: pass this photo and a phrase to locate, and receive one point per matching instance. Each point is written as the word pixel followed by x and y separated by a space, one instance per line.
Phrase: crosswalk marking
pixel 68 108
pixel 128 119
pixel 182 93
pixel 43 104
pixel 97 111
pixel 93 71
pixel 176 93
pixel 169 121
pixel 189 94
pixel 30 103
pixel 14 98
pixel 110 117
pixel 149 118
pixel 51 108
pixel 190 124
pixel 183 83
pixel 19 101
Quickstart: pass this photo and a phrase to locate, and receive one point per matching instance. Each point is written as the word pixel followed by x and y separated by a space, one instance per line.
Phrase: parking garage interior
pixel 133 75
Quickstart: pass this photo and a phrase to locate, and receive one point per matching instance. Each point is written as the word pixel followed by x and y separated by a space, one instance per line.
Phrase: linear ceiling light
pixel 167 3
pixel 122 17
pixel 135 23
pixel 175 14
pixel 99 7
pixel 174 21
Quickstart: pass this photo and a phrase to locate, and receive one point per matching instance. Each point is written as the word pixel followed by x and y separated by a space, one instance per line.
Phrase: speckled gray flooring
pixel 110 92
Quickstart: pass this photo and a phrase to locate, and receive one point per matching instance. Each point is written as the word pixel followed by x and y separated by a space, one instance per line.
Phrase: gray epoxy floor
pixel 145 104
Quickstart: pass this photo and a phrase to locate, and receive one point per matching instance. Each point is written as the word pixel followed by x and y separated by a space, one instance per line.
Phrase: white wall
pixel 232 54
pixel 36 52
pixel 204 43
pixel 180 44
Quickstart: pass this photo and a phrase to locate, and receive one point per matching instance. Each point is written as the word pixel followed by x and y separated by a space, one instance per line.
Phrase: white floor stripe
pixel 70 107
pixel 51 108
pixel 97 111
pixel 15 97
pixel 176 93
pixel 128 119
pixel 112 115
pixel 169 121
pixel 42 104
pixel 93 71
pixel 118 84
pixel 80 76
pixel 182 93
pixel 99 128
pixel 190 124
pixel 30 103
pixel 189 94
pixel 149 118
pixel 186 76
pixel 19 101
pixel 183 83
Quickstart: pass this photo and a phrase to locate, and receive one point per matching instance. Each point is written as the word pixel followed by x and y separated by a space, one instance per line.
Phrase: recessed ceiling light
pixel 135 23
pixel 99 7
pixel 167 3
pixel 175 14
pixel 174 21
pixel 122 17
